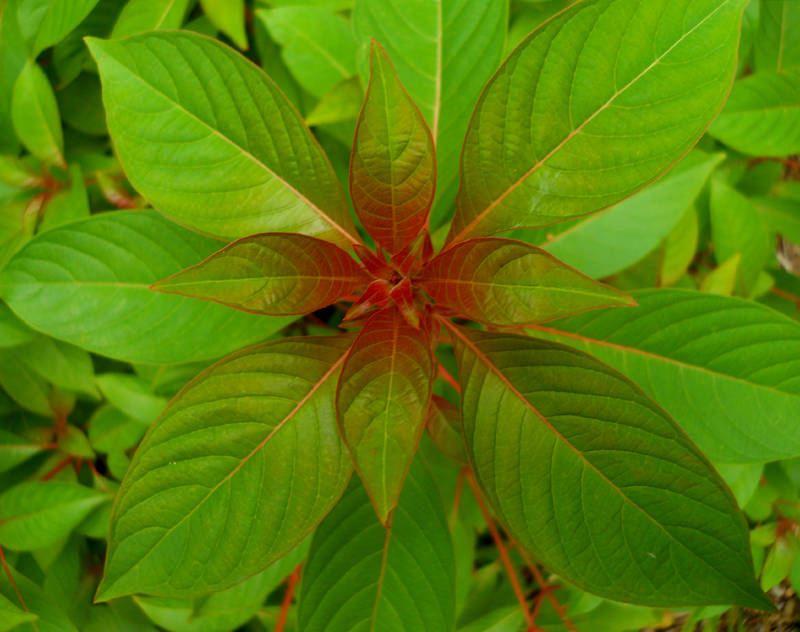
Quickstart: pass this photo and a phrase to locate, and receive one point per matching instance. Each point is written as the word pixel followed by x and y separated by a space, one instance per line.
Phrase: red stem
pixel 58 468
pixel 546 591
pixel 287 598
pixel 97 474
pixel 14 585
pixel 447 377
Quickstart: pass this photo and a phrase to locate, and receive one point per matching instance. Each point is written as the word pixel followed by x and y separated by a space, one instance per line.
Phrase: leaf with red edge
pixel 376 295
pixel 393 166
pixel 508 283
pixel 444 427
pixel 382 401
pixel 272 273
pixel 404 300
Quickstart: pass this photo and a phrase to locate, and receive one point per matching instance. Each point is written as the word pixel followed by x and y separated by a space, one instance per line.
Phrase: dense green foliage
pixel 398 316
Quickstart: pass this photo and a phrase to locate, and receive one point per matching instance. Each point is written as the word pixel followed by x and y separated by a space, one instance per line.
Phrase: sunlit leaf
pixel 34 112
pixel 258 464
pixel 777 40
pixel 381 403
pixel 508 283
pixel 228 17
pixel 46 22
pixel 275 273
pixel 558 133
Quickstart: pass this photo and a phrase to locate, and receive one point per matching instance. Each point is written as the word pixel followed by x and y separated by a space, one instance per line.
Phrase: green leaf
pixel 13 331
pixel 274 273
pixel 15 450
pixel 67 206
pixel 139 16
pixel 13 55
pixel 111 429
pixel 726 369
pixel 779 562
pixel 509 619
pixel 34 111
pixel 26 387
pixel 131 395
pixel 258 170
pixel 508 283
pixel 51 618
pixel 88 283
pixel 362 575
pixel 780 215
pixel 722 280
pixel 444 53
pixel 554 124
pixel 444 426
pixel 213 495
pixel 47 22
pixel 738 229
pixel 679 247
pixel 382 401
pixel 762 115
pixel 228 17
pixel 60 363
pixel 608 242
pixel 81 105
pixel 777 40
pixel 584 452
pixel 17 225
pixel 393 167
pixel 341 103
pixel 119 616
pixel 11 616
pixel 74 442
pixel 35 515
pixel 318 45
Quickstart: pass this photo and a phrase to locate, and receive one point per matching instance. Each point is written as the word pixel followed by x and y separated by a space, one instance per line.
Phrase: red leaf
pixel 404 299
pixel 377 295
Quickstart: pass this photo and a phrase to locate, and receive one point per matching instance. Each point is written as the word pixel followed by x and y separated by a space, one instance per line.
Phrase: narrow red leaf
pixel 393 165
pixel 377 267
pixel 404 299
pixel 382 402
pixel 377 295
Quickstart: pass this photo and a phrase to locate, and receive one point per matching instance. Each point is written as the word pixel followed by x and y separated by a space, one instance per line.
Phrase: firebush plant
pixel 604 358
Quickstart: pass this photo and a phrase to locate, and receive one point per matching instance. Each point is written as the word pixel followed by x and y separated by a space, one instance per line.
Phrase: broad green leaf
pixel 111 429
pixel 88 283
pixel 139 16
pixel 60 363
pixel 67 206
pixel 509 619
pixel 274 273
pixel 605 243
pixel 50 616
pixel 777 40
pixel 221 151
pixel 363 576
pixel 228 17
pixel 679 247
pixel 34 112
pixel 131 395
pixel 382 401
pixel 508 283
pixel 341 103
pixel 15 450
pixel 46 22
pixel 738 229
pixel 725 369
pixel 13 331
pixel 393 168
pixel 35 515
pixel 11 615
pixel 318 45
pixel 780 560
pixel 722 279
pixel 231 499
pixel 29 389
pixel 559 134
pixel 780 215
pixel 762 115
pixel 444 52
pixel 444 427
pixel 584 452
pixel 13 55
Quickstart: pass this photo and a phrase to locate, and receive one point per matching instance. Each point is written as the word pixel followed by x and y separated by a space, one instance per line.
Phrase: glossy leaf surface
pixel 726 369
pixel 393 166
pixel 221 150
pixel 585 452
pixel 382 401
pixel 362 576
pixel 230 500
pixel 508 283
pixel 762 114
pixel 603 99
pixel 88 283
pixel 444 52
pixel 274 273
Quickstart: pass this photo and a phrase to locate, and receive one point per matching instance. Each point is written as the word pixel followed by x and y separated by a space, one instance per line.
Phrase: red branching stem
pixel 58 468
pixel 14 585
pixel 97 474
pixel 287 598
pixel 448 377
pixel 78 465
pixel 546 591
pixel 501 547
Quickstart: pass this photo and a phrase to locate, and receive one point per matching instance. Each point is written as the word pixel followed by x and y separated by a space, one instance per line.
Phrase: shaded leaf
pixel 261 167
pixel 11 615
pixel 508 283
pixel 554 124
pixel 111 429
pixel 393 167
pixel 762 114
pixel 15 450
pixel 381 403
pixel 230 501
pixel 60 363
pixel 51 618
pixel 444 426
pixel 362 575
pixel 73 441
pixel 275 273
pixel 131 395
pixel 88 283
pixel 17 225
pixel 726 369
pixel 29 389
pixel 13 55
pixel 780 215
pixel 341 103
pixel 67 206
pixel 777 40
pixel 34 111
pixel 585 452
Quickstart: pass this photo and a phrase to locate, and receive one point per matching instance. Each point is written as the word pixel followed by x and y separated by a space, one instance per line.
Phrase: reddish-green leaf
pixel 444 427
pixel 393 167
pixel 381 403
pixel 274 274
pixel 592 477
pixel 509 283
